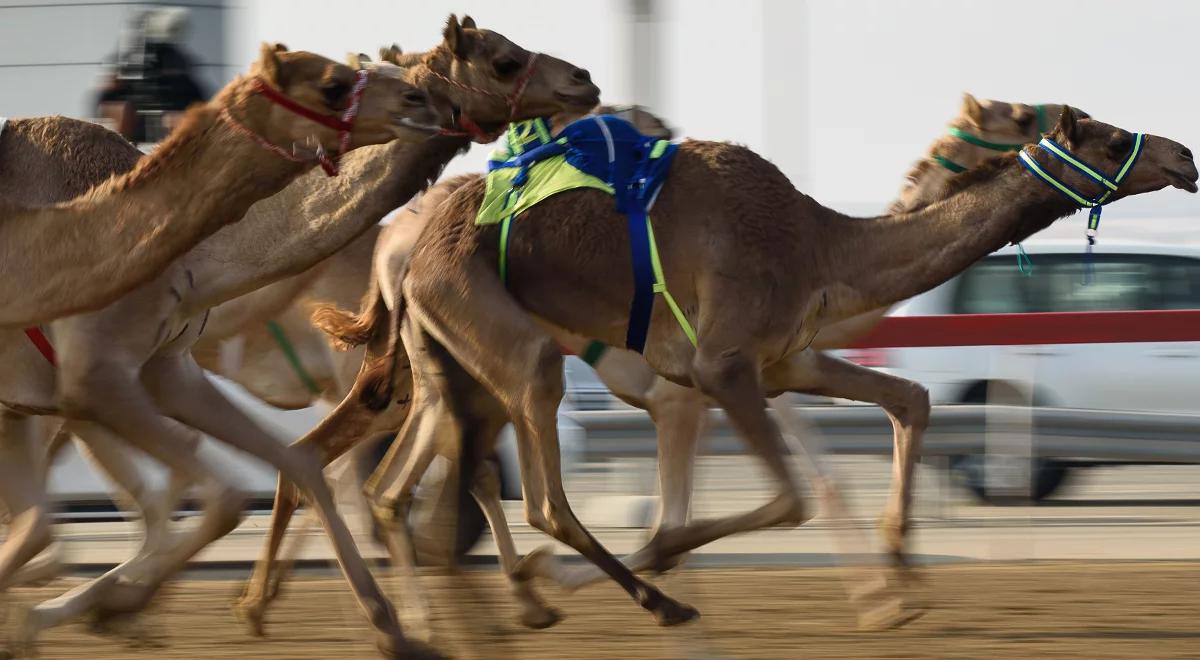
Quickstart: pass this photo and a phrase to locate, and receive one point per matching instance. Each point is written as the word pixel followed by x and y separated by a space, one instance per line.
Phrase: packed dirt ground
pixel 1062 610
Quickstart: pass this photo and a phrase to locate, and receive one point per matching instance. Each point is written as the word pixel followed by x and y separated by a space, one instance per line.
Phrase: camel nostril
pixel 1186 153
pixel 416 98
pixel 581 75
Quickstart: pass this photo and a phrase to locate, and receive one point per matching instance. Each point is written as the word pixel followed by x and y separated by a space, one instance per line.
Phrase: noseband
pixel 467 126
pixel 343 124
pixel 1108 185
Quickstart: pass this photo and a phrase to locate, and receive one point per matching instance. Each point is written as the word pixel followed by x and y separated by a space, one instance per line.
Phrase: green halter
pixel 984 144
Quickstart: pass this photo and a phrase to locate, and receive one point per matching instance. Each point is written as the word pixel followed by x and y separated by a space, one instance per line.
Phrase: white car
pixel 1135 265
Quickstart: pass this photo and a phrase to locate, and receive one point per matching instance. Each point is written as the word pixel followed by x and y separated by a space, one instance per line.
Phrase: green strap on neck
pixel 980 142
pixel 593 352
pixel 293 359
pixel 948 164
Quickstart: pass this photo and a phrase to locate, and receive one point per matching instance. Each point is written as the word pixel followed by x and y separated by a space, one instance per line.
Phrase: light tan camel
pixel 678 411
pixel 216 138
pixel 290 235
pixel 796 268
pixel 82 254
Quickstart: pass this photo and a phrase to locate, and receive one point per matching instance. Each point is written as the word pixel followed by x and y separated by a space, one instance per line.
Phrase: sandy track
pixel 1069 610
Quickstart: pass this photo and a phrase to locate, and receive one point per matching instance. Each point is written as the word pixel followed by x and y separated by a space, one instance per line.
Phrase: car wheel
pixel 1047 477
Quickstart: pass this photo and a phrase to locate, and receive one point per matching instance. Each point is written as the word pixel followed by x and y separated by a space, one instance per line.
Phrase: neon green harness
pixel 513 190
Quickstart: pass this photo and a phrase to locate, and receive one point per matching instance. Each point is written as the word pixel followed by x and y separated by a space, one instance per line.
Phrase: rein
pixel 343 124
pixel 467 126
pixel 1107 185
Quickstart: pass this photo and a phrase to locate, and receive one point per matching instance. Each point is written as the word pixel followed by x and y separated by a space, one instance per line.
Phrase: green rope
pixel 290 353
pixel 949 164
pixel 980 142
pixel 1024 263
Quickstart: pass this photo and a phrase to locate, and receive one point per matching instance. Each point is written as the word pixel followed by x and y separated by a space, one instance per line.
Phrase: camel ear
pixel 390 54
pixel 468 23
pixel 1066 131
pixel 971 110
pixel 270 67
pixel 357 61
pixel 456 38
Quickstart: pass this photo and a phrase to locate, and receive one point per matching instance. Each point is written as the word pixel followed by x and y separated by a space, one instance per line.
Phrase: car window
pixel 1119 282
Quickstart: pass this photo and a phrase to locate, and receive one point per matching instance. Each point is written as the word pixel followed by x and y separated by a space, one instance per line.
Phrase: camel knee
pixel 726 371
pixel 914 407
pixel 544 377
pixel 84 390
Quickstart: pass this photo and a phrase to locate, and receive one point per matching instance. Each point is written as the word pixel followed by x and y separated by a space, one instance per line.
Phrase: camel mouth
pixel 415 125
pixel 1184 181
pixel 586 100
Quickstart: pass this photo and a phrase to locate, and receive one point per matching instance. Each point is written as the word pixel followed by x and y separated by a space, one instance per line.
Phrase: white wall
pixel 52 52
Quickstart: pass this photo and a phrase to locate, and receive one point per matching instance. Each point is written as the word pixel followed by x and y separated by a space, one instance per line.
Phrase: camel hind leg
pixel 527 379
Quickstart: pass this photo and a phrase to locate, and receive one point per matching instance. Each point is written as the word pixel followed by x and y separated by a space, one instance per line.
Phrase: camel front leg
pixel 24 495
pixel 680 415
pixel 186 392
pixel 905 402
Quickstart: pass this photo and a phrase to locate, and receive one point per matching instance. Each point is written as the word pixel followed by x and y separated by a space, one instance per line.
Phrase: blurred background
pixel 1086 452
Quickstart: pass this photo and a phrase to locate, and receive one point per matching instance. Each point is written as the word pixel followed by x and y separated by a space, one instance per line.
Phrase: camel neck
pixel 885 260
pixel 314 218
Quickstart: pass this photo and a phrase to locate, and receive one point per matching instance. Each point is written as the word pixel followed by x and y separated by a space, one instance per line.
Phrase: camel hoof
pixel 888 615
pixel 673 613
pixel 541 618
pixel 401 648
pixel 539 563
pixel 250 613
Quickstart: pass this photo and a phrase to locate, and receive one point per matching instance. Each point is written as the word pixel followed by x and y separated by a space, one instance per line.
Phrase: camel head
pixel 642 119
pixel 390 107
pixel 1005 126
pixel 491 81
pixel 1161 162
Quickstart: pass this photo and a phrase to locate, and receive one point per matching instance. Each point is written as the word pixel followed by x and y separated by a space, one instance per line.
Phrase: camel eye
pixel 1120 145
pixel 506 66
pixel 335 93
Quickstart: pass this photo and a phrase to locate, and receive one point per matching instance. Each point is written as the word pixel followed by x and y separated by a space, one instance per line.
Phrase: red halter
pixel 468 126
pixel 344 124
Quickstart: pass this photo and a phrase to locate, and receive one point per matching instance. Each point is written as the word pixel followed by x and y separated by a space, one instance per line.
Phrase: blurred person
pixel 151 82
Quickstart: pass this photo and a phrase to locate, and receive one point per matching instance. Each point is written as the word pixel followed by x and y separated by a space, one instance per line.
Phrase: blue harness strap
pixel 643 281
pixel 635 167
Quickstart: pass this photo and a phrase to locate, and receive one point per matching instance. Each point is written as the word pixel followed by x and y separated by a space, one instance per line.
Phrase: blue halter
pixel 1095 202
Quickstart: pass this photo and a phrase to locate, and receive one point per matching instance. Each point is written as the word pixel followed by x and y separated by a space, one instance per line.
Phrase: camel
pixel 678 411
pixel 52 265
pixel 151 329
pixel 477 353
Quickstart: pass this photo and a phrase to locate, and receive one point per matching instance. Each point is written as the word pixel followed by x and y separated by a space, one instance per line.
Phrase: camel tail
pixel 378 376
pixel 347 330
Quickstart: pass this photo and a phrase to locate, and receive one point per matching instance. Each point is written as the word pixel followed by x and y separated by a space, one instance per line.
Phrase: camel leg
pixel 527 379
pixel 680 415
pixel 486 490
pixel 24 495
pixel 349 424
pixel 116 459
pixel 724 371
pixel 185 391
pixel 905 402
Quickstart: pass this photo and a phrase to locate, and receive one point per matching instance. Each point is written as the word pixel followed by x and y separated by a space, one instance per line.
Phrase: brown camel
pixel 678 411
pixel 56 263
pixel 757 308
pixel 156 325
